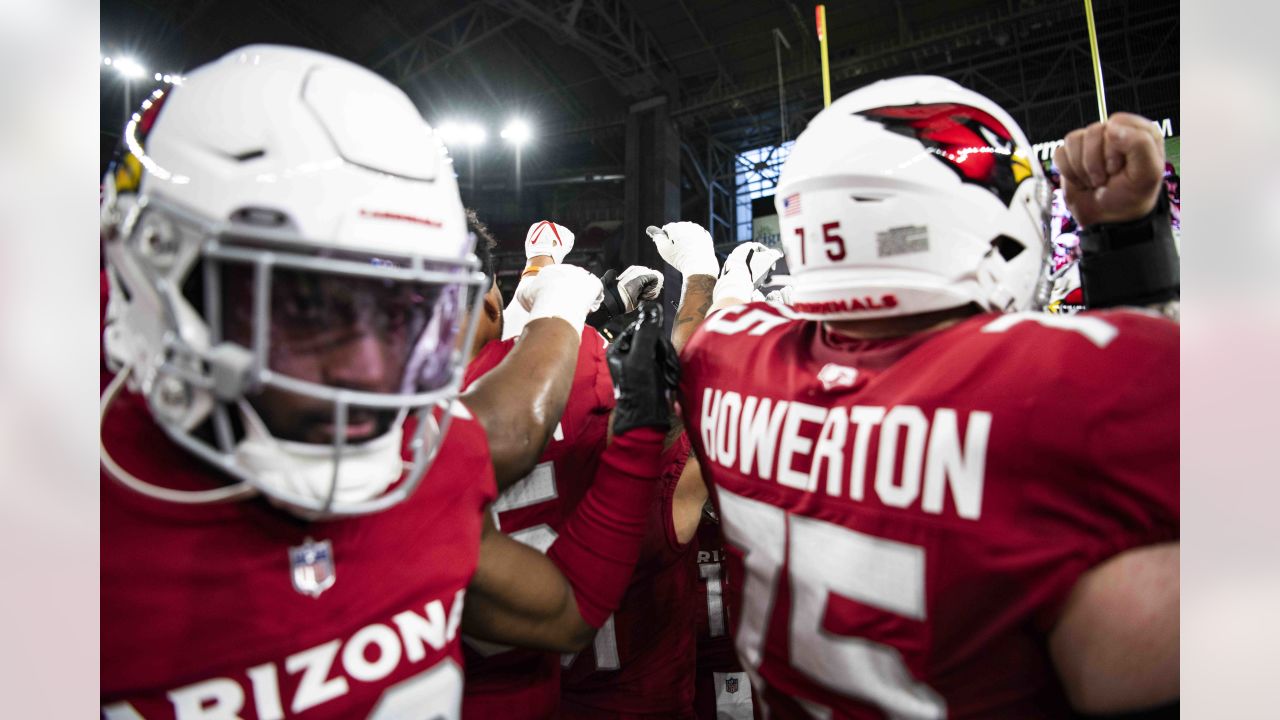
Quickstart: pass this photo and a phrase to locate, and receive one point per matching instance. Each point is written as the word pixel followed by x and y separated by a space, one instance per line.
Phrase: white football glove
pixel 687 247
pixel 638 283
pixel 744 271
pixel 567 292
pixel 547 238
pixel 781 296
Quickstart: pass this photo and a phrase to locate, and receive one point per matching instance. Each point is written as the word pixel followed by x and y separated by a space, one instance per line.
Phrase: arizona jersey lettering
pixel 245 611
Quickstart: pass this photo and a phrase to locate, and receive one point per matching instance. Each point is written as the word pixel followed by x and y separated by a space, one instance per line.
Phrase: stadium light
pixel 464 134
pixel 517 132
pixel 129 68
pixel 473 135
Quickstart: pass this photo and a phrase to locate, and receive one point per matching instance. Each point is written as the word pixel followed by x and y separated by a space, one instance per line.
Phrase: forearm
pixel 520 401
pixel 537 612
pixel 598 546
pixel 693 308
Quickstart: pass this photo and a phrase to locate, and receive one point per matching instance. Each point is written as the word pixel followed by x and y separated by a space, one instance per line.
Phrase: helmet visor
pixel 377 333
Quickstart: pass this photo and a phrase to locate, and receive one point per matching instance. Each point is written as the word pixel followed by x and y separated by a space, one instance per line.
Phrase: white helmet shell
pixel 290 163
pixel 909 196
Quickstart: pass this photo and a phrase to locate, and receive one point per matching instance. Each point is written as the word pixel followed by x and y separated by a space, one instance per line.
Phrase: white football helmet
pixel 909 196
pixel 289 266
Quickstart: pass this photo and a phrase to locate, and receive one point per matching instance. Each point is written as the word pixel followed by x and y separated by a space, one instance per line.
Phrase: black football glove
pixel 645 372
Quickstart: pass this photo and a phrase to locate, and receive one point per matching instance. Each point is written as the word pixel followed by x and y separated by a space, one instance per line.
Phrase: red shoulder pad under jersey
pixel 244 610
pixel 981 469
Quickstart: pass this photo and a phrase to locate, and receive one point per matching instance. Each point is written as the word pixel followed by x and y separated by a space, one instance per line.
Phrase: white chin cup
pixel 284 469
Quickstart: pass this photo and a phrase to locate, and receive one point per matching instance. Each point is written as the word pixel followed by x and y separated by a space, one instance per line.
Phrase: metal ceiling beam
pixel 724 75
pixel 887 55
pixel 609 34
pixel 443 41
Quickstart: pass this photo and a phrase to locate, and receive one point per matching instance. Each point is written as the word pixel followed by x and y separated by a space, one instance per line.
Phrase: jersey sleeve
pixel 593 356
pixel 1133 440
pixel 487 359
pixel 1124 491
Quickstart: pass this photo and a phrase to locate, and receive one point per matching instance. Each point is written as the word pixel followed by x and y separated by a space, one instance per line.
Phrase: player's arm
pixel 687 247
pixel 1112 173
pixel 624 293
pixel 518 597
pixel 555 602
pixel 1115 644
pixel 689 499
pixel 520 401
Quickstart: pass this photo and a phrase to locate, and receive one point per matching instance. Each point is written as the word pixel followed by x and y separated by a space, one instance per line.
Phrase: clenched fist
pixel 1112 171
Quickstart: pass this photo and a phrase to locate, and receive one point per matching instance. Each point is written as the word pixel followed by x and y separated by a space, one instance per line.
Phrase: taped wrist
pixel 1130 263
pixel 598 547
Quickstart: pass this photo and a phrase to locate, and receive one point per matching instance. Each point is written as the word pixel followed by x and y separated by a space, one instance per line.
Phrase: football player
pixel 926 525
pixel 722 690
pixel 502 681
pixel 292 499
pixel 642 662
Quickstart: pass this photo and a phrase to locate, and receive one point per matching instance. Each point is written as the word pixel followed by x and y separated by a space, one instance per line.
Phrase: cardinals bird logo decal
pixel 975 145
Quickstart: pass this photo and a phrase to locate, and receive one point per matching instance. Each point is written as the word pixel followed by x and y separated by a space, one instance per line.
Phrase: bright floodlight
pixel 467 134
pixel 473 135
pixel 129 68
pixel 517 132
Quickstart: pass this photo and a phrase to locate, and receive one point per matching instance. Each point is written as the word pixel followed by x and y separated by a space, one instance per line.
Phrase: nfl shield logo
pixel 833 376
pixel 311 566
pixel 731 684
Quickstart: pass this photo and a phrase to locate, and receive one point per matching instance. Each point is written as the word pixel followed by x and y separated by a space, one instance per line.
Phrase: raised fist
pixel 547 238
pixel 744 271
pixel 1112 171
pixel 638 283
pixel 645 372
pixel 782 295
pixel 687 247
pixel 564 291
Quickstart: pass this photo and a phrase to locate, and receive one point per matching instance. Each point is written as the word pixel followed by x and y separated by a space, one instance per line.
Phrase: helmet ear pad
pixel 911 196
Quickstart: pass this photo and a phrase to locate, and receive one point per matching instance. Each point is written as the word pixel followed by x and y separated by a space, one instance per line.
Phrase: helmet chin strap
pixel 238 491
pixel 303 477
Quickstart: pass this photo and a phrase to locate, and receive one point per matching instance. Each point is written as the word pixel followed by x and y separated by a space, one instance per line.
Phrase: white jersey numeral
pixel 434 694
pixel 1095 329
pixel 733 320
pixel 825 559
pixel 710 574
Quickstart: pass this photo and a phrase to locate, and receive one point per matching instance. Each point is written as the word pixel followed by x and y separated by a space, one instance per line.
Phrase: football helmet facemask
pixel 289 264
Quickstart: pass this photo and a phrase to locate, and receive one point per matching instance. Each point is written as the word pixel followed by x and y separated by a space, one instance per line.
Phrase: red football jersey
pixel 907 515
pixel 721 688
pixel 641 661
pixel 512 684
pixel 239 609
